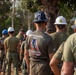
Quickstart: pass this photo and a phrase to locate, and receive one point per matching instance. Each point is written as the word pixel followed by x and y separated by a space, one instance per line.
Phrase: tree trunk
pixel 51 10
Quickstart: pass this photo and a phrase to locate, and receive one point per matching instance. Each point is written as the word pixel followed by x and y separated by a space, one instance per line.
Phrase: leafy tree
pixel 4 13
pixel 53 8
pixel 24 15
pixel 67 9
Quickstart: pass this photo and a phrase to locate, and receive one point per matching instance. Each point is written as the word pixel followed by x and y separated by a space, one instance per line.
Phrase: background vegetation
pixel 24 12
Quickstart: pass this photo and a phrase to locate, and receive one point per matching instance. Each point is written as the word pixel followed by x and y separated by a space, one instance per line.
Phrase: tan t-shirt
pixel 39 45
pixel 11 43
pixel 69 53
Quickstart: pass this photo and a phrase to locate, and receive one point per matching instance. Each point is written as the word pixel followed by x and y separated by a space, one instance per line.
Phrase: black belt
pixel 37 59
pixel 12 51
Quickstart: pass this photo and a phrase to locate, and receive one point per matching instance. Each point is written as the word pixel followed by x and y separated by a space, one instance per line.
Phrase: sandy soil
pixel 11 73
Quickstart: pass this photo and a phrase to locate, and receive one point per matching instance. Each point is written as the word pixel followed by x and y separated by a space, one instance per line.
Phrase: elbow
pixel 51 64
pixel 26 54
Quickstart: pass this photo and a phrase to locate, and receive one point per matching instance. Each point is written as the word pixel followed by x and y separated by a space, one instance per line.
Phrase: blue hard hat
pixel 40 17
pixel 4 32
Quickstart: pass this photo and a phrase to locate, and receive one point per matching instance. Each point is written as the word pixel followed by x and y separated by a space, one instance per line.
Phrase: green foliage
pixel 70 3
pixel 4 11
pixel 67 8
pixel 4 8
pixel 31 5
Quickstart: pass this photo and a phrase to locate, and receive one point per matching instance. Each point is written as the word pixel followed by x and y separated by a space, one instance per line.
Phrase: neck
pixel 40 27
pixel 11 34
pixel 3 36
pixel 59 30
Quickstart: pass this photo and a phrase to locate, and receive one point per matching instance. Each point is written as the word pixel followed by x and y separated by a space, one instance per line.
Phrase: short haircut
pixel 40 22
pixel 11 32
pixel 61 26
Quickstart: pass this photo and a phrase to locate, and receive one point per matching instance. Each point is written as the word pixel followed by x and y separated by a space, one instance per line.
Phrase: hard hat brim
pixel 73 19
pixel 34 21
pixel 60 23
pixel 73 26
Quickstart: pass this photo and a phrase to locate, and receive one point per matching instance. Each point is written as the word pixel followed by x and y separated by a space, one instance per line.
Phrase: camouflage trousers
pixel 2 56
pixel 24 68
pixel 12 57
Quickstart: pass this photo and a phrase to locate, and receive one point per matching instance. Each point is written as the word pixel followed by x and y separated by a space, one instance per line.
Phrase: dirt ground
pixel 11 73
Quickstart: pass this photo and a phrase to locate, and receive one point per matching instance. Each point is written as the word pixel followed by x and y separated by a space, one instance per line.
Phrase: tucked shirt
pixel 11 43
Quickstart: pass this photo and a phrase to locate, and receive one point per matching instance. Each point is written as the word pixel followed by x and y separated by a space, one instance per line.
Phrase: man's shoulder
pixel 47 37
pixel 7 39
pixel 16 38
pixel 45 34
pixel 13 37
pixel 54 34
pixel 72 37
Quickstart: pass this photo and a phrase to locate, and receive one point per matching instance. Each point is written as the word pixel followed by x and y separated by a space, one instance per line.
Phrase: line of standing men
pixel 57 58
pixel 40 48
pixel 36 48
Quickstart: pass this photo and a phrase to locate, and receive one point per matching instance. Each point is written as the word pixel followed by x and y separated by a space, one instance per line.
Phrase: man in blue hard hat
pixel 39 47
pixel 4 35
pixel 2 53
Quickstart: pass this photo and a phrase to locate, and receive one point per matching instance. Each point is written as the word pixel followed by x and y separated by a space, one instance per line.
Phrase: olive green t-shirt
pixel 69 53
pixel 11 43
pixel 39 45
pixel 58 38
pixel 59 52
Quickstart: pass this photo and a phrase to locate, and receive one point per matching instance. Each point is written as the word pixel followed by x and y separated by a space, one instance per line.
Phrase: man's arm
pixel 21 50
pixel 56 59
pixel 54 66
pixel 26 58
pixel 51 55
pixel 68 68
pixel 5 48
pixel 19 45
